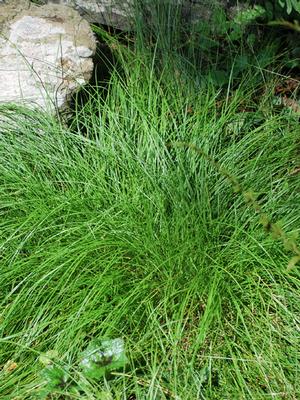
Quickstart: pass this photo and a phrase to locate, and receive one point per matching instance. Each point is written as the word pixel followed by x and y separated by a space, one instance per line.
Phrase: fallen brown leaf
pixel 10 366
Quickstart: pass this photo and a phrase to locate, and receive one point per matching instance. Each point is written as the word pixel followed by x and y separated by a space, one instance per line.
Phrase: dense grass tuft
pixel 107 231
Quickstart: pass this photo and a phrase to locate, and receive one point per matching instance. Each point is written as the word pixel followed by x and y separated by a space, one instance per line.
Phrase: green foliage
pixel 227 44
pixel 288 29
pixel 55 376
pixel 211 43
pixel 247 16
pixel 112 233
pixel 290 5
pixel 234 28
pixel 295 26
pixel 289 241
pixel 108 232
pixel 101 357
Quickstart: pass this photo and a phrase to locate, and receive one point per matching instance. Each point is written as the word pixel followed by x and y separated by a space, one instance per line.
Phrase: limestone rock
pixel 116 13
pixel 45 54
pixel 9 9
pixel 120 13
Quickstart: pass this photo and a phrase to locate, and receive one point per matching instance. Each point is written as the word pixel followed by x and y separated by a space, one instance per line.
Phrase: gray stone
pixel 120 13
pixel 9 9
pixel 116 13
pixel 45 54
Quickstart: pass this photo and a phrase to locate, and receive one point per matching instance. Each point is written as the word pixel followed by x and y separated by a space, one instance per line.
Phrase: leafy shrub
pixel 290 5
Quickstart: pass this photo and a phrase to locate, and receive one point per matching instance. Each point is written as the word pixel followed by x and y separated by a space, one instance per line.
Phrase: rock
pixel 45 54
pixel 120 13
pixel 114 13
pixel 10 9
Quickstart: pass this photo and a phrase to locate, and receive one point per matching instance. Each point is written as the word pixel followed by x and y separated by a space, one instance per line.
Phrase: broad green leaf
pixel 48 357
pixel 103 356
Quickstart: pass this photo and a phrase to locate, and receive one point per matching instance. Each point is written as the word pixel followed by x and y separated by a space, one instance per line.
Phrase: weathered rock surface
pixel 116 13
pixel 120 13
pixel 45 53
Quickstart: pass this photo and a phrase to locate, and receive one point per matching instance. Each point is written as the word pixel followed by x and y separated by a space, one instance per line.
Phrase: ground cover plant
pixel 116 231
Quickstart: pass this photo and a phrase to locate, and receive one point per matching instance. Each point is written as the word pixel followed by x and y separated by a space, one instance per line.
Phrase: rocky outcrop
pixel 120 13
pixel 45 54
pixel 116 13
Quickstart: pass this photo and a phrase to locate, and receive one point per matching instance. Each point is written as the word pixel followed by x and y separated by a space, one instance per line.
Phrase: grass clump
pixel 106 231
